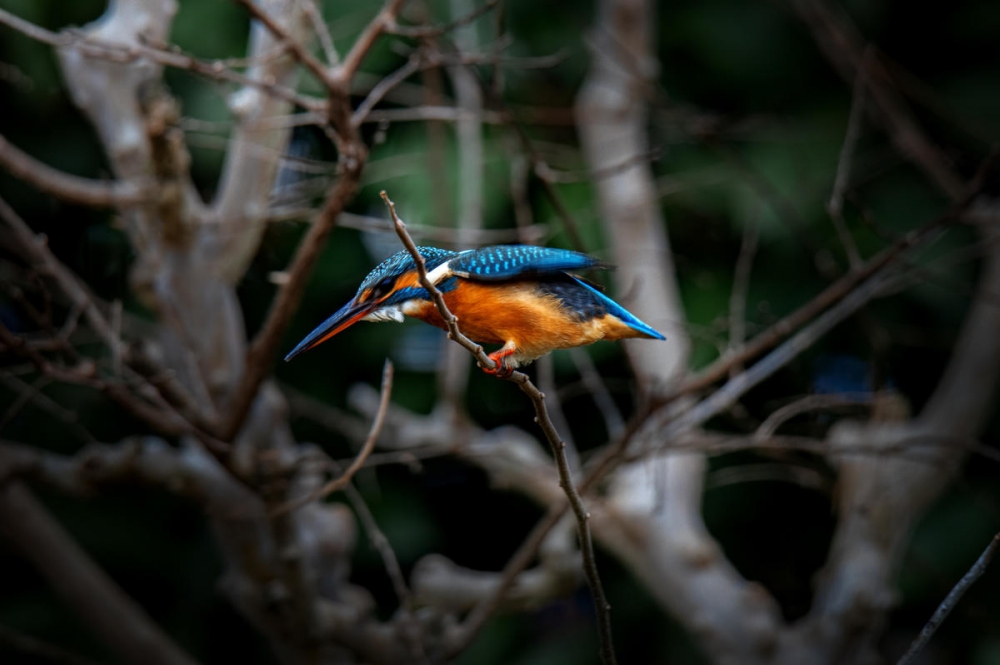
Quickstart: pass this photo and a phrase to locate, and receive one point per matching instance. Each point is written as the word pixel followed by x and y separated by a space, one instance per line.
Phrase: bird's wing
pixel 502 262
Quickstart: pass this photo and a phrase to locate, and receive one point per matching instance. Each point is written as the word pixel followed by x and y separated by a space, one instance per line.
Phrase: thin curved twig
pixel 948 604
pixel 343 479
pixel 297 49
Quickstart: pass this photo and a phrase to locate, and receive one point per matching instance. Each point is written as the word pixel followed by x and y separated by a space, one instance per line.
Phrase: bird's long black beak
pixel 344 318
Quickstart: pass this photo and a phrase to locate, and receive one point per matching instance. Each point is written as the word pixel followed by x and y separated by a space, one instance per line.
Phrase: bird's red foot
pixel 502 370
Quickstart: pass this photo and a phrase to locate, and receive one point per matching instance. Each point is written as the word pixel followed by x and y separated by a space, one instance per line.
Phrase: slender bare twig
pixel 67 187
pixel 48 405
pixel 948 604
pixel 846 49
pixel 161 415
pixel 808 403
pixel 425 32
pixel 422 60
pixel 728 394
pixel 463 634
pixel 601 605
pixel 449 319
pixel 353 157
pixel 36 250
pixel 430 112
pixel 741 285
pixel 544 171
pixel 835 206
pixel 26 397
pixel 341 481
pixel 322 31
pixel 384 20
pixel 294 46
pixel 453 237
pixel 412 66
pixel 540 167
pixel 595 385
pixel 826 298
pixel 545 375
pixel 95 48
pixel 392 567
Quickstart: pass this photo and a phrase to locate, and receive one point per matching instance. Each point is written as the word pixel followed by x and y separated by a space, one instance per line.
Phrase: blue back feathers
pixel 503 262
pixel 401 262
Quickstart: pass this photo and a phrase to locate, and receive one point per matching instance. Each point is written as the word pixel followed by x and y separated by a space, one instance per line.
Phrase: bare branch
pixel 830 295
pixel 613 420
pixel 453 331
pixel 835 206
pixel 727 395
pixel 70 188
pixel 341 481
pixel 384 20
pixel 846 49
pixel 425 32
pixel 322 31
pixel 453 237
pixel 412 66
pixel 442 583
pixel 92 47
pixel 948 604
pixel 805 405
pixel 391 563
pixel 741 284
pixel 289 42
pixel 37 252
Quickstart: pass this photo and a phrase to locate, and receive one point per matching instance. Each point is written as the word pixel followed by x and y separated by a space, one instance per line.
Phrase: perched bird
pixel 520 296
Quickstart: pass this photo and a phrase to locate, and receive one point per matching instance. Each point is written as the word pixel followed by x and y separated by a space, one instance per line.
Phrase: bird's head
pixel 384 295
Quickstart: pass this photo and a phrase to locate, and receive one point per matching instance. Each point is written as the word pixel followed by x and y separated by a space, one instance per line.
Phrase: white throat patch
pixel 388 313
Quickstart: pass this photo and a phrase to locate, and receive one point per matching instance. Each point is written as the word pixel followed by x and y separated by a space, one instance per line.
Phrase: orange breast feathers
pixel 517 312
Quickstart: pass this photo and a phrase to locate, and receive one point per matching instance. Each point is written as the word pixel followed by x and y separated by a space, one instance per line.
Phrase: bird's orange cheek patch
pixel 406 281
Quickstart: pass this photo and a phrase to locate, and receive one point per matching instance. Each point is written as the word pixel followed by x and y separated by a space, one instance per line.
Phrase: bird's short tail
pixel 626 316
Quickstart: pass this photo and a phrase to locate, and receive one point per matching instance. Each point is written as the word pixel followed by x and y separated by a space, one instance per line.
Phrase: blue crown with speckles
pixel 402 262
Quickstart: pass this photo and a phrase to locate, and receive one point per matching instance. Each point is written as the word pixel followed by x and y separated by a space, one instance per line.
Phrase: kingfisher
pixel 520 296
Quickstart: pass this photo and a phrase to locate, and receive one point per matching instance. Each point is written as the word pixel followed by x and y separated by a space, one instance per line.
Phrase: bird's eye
pixel 383 287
